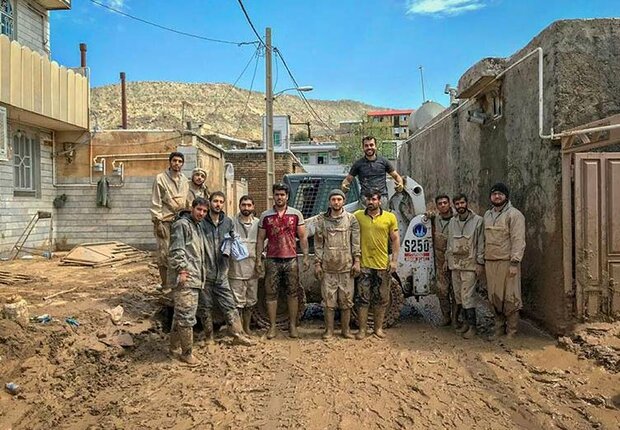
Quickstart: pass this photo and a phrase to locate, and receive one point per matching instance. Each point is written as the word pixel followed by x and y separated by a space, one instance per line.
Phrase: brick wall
pixel 32 26
pixel 251 166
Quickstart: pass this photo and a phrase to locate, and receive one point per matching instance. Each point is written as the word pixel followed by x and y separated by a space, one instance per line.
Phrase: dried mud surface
pixel 421 376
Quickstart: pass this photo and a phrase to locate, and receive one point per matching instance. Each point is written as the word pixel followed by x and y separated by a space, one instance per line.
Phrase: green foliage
pixel 350 146
pixel 300 136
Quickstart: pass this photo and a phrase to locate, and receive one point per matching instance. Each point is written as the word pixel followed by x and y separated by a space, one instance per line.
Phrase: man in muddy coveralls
pixel 169 196
pixel 242 277
pixel 440 221
pixel 337 261
pixel 504 233
pixel 373 288
pixel 465 257
pixel 197 185
pixel 186 262
pixel 281 226
pixel 215 226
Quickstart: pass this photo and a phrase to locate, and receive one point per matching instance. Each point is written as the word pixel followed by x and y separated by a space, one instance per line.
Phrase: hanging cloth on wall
pixel 103 188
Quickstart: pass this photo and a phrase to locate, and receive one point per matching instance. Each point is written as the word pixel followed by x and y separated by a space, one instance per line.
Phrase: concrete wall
pixel 581 62
pixel 32 26
pixel 17 211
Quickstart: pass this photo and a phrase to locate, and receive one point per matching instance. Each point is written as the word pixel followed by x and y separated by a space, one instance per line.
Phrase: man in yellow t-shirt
pixel 377 227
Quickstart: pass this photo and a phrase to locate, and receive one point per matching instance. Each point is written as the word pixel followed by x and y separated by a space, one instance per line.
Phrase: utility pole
pixel 269 119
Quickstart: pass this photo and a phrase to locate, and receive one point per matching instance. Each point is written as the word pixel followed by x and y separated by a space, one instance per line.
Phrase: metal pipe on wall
pixel 123 102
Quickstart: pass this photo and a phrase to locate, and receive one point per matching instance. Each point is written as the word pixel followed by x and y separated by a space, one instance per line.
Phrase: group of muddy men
pixel 194 235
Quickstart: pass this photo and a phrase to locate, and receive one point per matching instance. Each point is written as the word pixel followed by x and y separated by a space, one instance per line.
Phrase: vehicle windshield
pixel 309 193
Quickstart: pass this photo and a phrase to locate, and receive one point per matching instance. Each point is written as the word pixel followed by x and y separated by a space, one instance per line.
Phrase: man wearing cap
pixel 504 234
pixel 337 261
pixel 371 170
pixel 169 196
pixel 197 185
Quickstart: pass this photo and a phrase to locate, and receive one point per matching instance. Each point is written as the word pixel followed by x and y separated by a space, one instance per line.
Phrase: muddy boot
pixel 186 338
pixel 379 316
pixel 345 321
pixel 498 328
pixel 512 323
pixel 456 312
pixel 471 322
pixel 175 342
pixel 329 323
pixel 293 308
pixel 272 311
pixel 247 320
pixel 207 325
pixel 465 326
pixel 236 329
pixel 362 315
pixel 444 305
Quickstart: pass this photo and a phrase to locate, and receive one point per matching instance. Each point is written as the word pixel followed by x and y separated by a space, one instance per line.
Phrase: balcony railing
pixel 35 84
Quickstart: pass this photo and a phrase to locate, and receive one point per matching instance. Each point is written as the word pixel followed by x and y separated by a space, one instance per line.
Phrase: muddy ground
pixel 421 376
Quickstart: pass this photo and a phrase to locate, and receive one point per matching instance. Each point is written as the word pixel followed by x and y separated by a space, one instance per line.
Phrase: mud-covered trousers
pixel 220 293
pixel 281 273
pixel 373 288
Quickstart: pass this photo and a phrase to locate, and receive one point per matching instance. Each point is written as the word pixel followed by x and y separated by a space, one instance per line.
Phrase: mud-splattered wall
pixel 581 64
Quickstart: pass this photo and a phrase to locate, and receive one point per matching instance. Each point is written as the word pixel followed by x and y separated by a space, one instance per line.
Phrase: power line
pixel 301 94
pixel 173 30
pixel 247 100
pixel 245 12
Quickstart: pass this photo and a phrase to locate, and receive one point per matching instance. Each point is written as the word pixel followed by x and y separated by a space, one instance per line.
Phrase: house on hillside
pixel 396 121
pixel 43 116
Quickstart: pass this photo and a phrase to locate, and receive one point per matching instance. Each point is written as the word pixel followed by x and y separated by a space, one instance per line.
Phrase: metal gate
pixel 597 234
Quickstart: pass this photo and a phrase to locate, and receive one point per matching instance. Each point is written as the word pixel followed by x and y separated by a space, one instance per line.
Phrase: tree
pixel 300 136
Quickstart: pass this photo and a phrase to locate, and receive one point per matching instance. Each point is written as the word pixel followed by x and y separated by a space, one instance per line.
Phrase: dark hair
pixel 176 154
pixel 200 201
pixel 441 196
pixel 459 196
pixel 216 194
pixel 371 193
pixel 280 187
pixel 367 138
pixel 246 197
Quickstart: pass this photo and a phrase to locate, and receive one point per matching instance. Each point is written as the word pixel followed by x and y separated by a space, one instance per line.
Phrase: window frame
pixel 7 18
pixel 21 140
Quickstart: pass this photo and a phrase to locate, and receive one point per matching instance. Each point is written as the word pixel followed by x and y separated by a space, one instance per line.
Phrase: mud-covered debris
pixel 116 314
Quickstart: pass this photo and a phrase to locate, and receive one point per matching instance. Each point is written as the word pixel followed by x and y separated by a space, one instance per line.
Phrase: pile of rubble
pixel 597 341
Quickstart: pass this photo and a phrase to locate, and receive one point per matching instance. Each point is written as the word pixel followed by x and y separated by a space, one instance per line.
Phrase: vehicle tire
pixel 394 307
pixel 260 316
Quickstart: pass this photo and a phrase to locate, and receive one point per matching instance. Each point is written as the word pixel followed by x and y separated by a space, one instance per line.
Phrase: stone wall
pixel 581 61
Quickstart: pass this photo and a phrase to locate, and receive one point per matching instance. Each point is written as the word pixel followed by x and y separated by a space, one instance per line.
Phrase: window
pixel 321 158
pixel 6 18
pixel 496 104
pixel 277 138
pixel 26 164
pixel 304 158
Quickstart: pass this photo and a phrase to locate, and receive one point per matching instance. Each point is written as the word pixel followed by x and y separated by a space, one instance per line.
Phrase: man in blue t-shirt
pixel 371 172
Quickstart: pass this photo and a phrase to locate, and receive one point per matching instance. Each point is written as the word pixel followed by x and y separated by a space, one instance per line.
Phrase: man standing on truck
pixel 169 196
pixel 440 221
pixel 243 280
pixel 197 185
pixel 187 265
pixel 337 261
pixel 504 233
pixel 217 289
pixel 377 227
pixel 281 226
pixel 371 170
pixel 465 257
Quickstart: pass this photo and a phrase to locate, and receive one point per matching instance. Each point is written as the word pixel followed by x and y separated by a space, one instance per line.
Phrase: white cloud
pixel 443 7
pixel 116 4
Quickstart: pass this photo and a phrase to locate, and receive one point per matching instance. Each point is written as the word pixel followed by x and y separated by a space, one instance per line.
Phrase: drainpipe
pixel 123 102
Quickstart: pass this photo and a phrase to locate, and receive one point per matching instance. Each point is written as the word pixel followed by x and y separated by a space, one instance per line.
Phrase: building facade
pixel 396 121
pixel 319 158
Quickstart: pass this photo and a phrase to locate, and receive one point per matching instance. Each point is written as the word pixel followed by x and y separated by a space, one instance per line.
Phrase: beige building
pixel 39 102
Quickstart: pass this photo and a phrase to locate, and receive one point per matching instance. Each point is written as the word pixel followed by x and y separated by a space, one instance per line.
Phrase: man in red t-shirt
pixel 281 226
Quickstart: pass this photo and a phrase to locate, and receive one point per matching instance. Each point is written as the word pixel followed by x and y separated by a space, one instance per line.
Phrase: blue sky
pixel 367 50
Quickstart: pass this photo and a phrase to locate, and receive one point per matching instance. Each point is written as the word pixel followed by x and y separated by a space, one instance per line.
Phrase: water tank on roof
pixel 424 114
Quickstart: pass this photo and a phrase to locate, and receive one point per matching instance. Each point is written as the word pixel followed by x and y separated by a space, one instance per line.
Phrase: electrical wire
pixel 247 17
pixel 173 30
pixel 247 100
pixel 275 84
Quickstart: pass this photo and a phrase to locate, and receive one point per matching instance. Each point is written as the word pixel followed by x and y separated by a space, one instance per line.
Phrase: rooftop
pixel 388 112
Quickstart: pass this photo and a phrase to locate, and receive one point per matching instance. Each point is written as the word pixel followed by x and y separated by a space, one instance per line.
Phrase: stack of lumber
pixel 103 254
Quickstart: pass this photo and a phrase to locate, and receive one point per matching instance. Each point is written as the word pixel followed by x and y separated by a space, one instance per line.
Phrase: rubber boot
pixel 362 315
pixel 163 274
pixel 329 323
pixel 247 320
pixel 512 324
pixel 293 308
pixel 207 325
pixel 186 338
pixel 456 310
pixel 465 326
pixel 379 316
pixel 444 305
pixel 175 342
pixel 471 322
pixel 499 327
pixel 345 321
pixel 272 312
pixel 240 338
